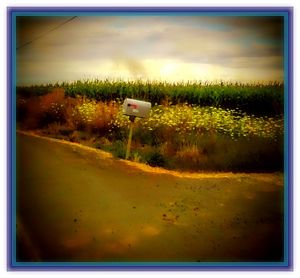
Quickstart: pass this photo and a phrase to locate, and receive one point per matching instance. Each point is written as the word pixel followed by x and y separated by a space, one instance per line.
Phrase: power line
pixel 46 33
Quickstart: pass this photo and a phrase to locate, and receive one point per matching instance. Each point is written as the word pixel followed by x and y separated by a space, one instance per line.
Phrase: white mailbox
pixel 137 108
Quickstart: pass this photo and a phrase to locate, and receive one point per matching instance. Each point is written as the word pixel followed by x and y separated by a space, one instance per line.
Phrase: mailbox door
pixel 133 107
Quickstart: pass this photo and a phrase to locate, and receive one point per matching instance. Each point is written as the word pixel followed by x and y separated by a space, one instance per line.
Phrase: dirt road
pixel 75 204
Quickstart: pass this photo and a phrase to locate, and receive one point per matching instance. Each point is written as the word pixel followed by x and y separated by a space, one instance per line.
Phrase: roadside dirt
pixel 75 203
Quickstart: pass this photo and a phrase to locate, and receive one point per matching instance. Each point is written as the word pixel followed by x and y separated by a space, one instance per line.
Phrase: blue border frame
pixel 286 12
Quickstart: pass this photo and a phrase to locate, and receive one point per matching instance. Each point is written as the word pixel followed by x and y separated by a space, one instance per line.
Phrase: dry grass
pixel 38 112
pixel 53 99
pixel 105 114
pixel 190 157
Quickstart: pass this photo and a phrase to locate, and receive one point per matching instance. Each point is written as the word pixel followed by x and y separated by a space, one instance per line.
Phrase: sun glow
pixel 168 69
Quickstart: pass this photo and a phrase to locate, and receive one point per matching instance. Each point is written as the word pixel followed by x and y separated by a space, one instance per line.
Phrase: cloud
pixel 134 66
pixel 266 27
pixel 125 45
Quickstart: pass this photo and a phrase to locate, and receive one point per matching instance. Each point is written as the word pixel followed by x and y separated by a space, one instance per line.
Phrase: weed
pixel 118 149
pixel 155 158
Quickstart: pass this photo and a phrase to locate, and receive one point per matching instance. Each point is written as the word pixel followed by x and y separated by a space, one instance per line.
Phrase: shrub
pixel 243 155
pixel 83 113
pixel 78 136
pixel 52 107
pixel 21 108
pixel 103 117
pixel 102 143
pixel 155 158
pixel 117 148
pixel 96 117
pixel 137 157
pixel 70 104
pixel 190 157
pixel 30 113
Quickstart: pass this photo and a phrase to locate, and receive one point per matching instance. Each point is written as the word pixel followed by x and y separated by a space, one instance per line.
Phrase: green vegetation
pixel 211 132
pixel 258 99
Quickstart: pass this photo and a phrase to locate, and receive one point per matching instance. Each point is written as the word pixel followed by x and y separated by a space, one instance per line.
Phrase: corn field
pixel 257 99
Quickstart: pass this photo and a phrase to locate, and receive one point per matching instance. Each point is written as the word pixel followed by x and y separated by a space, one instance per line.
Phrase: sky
pixel 165 48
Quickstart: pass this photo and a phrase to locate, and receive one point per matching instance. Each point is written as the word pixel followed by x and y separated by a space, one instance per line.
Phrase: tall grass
pixel 256 98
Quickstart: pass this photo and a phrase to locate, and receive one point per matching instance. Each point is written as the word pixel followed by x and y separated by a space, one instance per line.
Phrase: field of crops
pixel 257 99
pixel 192 126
